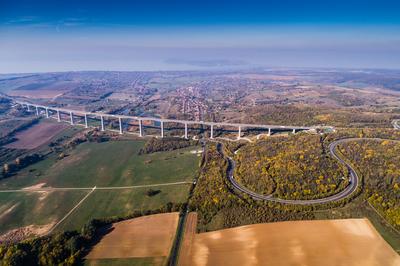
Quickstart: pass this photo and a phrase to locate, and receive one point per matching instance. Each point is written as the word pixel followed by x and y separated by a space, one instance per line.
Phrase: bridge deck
pixel 241 125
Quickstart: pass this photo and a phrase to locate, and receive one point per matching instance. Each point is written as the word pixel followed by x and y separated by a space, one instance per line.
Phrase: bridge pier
pixel 120 125
pixel 186 131
pixel 162 128
pixel 47 112
pixel 27 106
pixel 86 122
pixel 269 132
pixel 140 128
pixel 294 131
pixel 58 116
pixel 71 117
pixel 37 111
pixel 239 133
pixel 102 123
pixel 212 132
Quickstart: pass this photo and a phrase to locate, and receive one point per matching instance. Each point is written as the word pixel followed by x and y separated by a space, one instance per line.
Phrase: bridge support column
pixel 58 116
pixel 186 131
pixel 269 131
pixel 162 129
pixel 47 112
pixel 71 117
pixel 120 125
pixel 212 132
pixel 140 128
pixel 27 106
pixel 102 123
pixel 239 132
pixel 294 131
pixel 37 111
pixel 86 123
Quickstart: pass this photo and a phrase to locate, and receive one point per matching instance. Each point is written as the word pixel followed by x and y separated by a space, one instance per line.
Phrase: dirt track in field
pixel 36 135
pixel 147 236
pixel 312 243
pixel 188 238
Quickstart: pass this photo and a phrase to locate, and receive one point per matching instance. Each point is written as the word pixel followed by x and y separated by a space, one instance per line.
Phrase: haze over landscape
pixel 199 133
pixel 180 35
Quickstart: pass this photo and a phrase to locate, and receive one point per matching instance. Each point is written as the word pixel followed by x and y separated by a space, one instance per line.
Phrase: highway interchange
pixel 348 191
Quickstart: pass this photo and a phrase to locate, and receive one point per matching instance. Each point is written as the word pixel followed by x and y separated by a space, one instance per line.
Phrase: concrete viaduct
pixel 73 113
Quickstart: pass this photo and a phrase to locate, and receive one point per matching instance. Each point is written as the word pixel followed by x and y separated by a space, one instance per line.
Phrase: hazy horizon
pixel 43 36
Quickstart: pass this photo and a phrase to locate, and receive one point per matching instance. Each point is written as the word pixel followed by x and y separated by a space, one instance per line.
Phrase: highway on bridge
pixel 179 121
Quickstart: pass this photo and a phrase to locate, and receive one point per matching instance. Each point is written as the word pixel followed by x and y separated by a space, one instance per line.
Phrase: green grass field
pixel 113 163
pixel 22 208
pixel 108 203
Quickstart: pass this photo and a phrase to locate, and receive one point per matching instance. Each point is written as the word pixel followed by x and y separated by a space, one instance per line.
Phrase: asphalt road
pixel 350 189
pixel 396 124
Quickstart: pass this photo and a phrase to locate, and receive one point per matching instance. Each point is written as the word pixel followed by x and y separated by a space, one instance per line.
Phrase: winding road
pixel 396 124
pixel 348 191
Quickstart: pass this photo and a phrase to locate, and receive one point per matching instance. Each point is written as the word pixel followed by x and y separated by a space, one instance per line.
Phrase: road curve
pixel 396 124
pixel 349 190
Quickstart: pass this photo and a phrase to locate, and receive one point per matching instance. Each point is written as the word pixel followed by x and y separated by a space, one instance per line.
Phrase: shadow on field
pixel 100 233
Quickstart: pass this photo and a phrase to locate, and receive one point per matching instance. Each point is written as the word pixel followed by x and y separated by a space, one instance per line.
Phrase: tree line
pixel 70 247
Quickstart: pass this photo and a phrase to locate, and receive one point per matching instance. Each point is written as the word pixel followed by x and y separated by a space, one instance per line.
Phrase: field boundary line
pixel 44 189
pixel 149 185
pixel 72 210
pixel 383 218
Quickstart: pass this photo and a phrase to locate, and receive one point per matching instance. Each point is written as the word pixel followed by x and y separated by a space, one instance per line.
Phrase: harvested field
pixel 36 135
pixel 329 242
pixel 147 236
pixel 35 94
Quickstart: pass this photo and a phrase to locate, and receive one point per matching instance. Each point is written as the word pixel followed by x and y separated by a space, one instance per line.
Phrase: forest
pixel 322 115
pixel 379 164
pixel 166 144
pixel 293 167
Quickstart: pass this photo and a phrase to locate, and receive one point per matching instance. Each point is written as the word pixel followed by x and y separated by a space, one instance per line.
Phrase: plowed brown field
pixel 36 135
pixel 147 236
pixel 330 243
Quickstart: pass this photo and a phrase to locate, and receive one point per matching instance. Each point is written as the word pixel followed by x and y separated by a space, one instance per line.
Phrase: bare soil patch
pixel 147 236
pixel 49 90
pixel 25 232
pixel 330 242
pixel 34 187
pixel 36 135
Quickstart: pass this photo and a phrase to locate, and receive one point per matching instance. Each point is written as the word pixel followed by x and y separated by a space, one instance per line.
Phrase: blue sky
pixel 37 36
